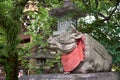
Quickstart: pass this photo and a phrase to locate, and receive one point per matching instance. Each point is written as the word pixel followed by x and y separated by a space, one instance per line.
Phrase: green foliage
pixel 40 26
pixel 24 54
pixel 40 29
pixel 2 37
pixel 10 12
pixel 54 64
pixel 116 67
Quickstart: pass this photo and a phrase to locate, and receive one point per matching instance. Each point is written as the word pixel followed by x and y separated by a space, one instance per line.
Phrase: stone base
pixel 87 76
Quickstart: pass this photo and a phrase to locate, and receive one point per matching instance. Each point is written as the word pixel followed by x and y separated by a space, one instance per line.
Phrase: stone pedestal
pixel 88 76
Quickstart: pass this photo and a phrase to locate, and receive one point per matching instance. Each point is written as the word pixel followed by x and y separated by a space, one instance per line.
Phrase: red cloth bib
pixel 71 60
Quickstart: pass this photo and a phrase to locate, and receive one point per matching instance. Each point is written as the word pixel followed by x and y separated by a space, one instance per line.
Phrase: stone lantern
pixel 67 16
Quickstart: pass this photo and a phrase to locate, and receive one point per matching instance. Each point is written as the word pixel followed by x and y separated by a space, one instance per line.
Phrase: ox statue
pixel 80 53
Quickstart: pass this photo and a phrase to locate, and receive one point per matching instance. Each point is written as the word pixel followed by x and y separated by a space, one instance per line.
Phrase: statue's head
pixel 66 41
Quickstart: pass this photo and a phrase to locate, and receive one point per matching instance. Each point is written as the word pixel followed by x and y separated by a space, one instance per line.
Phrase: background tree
pixel 10 13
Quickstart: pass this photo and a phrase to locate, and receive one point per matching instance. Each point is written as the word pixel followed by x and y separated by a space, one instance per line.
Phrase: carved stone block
pixel 88 76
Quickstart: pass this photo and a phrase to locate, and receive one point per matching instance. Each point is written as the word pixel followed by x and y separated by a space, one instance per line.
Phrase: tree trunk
pixel 11 68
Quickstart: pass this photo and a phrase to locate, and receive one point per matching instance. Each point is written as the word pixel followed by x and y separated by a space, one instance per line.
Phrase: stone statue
pixel 80 53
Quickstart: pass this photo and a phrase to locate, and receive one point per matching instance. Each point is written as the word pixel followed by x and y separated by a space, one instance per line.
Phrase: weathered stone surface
pixel 68 7
pixel 96 57
pixel 88 76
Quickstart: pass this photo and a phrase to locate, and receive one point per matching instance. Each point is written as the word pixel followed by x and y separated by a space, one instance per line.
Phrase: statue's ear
pixel 76 35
